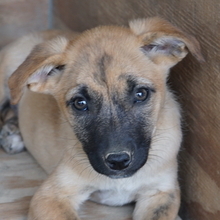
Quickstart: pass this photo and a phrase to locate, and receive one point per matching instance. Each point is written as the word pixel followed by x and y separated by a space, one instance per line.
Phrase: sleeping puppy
pixel 95 109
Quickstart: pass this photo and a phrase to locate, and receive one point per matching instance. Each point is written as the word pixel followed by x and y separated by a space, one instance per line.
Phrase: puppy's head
pixel 110 83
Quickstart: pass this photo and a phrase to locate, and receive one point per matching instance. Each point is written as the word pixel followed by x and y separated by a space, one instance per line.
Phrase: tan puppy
pixel 105 111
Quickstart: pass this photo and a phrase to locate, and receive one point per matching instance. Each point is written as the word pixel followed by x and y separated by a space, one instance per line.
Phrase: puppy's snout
pixel 118 161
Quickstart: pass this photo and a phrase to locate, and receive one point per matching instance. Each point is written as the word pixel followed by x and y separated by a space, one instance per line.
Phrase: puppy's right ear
pixel 163 43
pixel 41 69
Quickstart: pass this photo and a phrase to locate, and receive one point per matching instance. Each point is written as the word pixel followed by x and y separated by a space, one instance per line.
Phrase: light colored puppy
pixel 98 105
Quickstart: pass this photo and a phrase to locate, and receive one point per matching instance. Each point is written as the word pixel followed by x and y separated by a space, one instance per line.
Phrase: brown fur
pixel 103 58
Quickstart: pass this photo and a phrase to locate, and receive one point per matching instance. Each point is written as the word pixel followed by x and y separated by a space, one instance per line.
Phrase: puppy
pixel 95 109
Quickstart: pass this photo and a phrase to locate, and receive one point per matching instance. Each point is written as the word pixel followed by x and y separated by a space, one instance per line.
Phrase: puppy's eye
pixel 141 95
pixel 80 104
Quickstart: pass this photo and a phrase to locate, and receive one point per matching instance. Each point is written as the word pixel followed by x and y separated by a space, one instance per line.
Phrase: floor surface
pixel 20 177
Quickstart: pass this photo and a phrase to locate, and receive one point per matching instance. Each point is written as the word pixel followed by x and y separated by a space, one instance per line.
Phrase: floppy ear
pixel 163 43
pixel 41 69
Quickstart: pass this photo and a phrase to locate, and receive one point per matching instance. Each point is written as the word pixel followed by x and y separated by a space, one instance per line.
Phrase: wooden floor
pixel 20 177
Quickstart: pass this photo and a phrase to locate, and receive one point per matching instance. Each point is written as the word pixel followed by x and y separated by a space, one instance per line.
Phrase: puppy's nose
pixel 118 161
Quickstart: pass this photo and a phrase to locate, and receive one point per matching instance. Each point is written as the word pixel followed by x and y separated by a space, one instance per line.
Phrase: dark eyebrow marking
pixel 84 91
pixel 132 83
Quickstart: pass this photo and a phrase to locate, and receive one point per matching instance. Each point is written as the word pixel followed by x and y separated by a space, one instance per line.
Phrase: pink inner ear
pixel 165 45
pixel 40 75
pixel 149 47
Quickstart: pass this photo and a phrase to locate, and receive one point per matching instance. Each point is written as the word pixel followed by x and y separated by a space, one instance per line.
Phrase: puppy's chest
pixel 112 197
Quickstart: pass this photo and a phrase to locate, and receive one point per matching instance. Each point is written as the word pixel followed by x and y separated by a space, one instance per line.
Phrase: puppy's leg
pixel 51 208
pixel 58 198
pixel 160 206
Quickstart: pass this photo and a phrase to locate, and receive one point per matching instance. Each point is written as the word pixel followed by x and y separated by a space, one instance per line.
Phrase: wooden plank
pixel 20 177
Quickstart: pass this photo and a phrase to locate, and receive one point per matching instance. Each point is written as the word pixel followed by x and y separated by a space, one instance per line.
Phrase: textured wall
pixel 198 85
pixel 18 17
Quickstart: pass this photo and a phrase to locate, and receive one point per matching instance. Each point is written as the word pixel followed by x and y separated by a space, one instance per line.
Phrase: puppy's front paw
pixel 160 206
pixel 10 138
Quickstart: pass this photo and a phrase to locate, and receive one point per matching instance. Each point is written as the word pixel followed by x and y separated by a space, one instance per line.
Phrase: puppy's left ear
pixel 163 43
pixel 41 70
